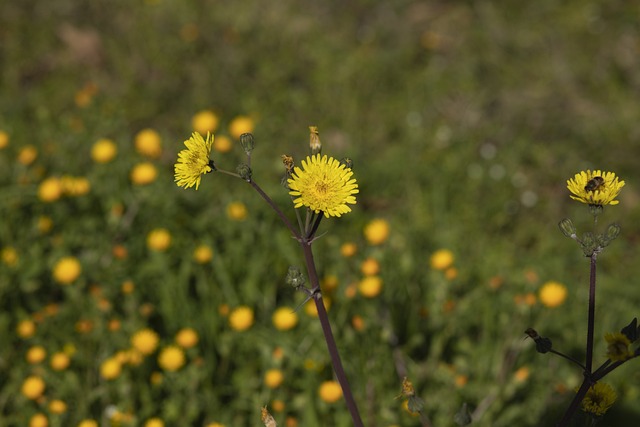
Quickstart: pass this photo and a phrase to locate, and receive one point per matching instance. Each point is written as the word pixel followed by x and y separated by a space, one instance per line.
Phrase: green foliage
pixel 463 119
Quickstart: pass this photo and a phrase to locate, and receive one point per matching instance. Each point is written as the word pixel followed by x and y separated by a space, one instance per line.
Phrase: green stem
pixel 276 209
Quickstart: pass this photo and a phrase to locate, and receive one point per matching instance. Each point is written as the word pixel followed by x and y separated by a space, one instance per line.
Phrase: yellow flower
pixel 284 319
pixel 154 422
pixel 59 361
pixel 57 406
pixel 376 231
pixel 241 318
pixel 222 144
pixel 194 161
pixel 27 154
pixel 595 187
pixel 143 173
pixel 110 369
pixel 202 254
pixel 330 391
pixel 45 224
pixel 9 256
pixel 441 259
pixel 323 185
pixel 147 143
pixel 39 420
pixel 370 286
pixel 103 151
pixel 88 423
pixel 33 387
pixel 240 125
pixel 159 239
pixel 145 341
pixel 237 211
pixel 26 329
pixel 67 270
pixel 215 425
pixel 370 267
pixel 4 139
pixel 618 347
pixel 552 294
pixel 171 358
pixel 36 354
pixel 348 249
pixel 312 310
pixel 50 190
pixel 599 399
pixel 273 378
pixel 204 122
pixel 521 374
pixel 187 338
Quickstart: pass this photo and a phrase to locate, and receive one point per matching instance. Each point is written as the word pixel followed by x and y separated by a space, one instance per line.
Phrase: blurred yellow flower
pixel 284 319
pixel 552 294
pixel 330 391
pixel 240 125
pixel 521 374
pixel 171 358
pixel 154 422
pixel 370 286
pixel 9 256
pixel 222 144
pixel 324 185
pixel 159 239
pixel 66 270
pixel 4 139
pixel 202 254
pixel 451 273
pixel 50 190
pixel 39 420
pixel 145 341
pixel 88 423
pixel 57 406
pixel 441 259
pixel 143 173
pixel 273 378
pixel 357 322
pixel 26 329
pixel 204 122
pixel 103 151
pixel 33 387
pixel 237 211
pixel 27 154
pixel 599 399
pixel 376 231
pixel 618 347
pixel 595 187
pixel 156 378
pixel 148 143
pixel 194 161
pixel 45 224
pixel 348 249
pixel 329 282
pixel 370 267
pixel 110 369
pixel 187 338
pixel 311 309
pixel 127 287
pixel 215 425
pixel 36 354
pixel 241 318
pixel 59 361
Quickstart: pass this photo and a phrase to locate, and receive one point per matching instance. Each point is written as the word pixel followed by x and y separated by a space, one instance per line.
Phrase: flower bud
pixel 567 228
pixel 613 231
pixel 589 243
pixel 247 143
pixel 295 278
pixel 314 140
pixel 244 171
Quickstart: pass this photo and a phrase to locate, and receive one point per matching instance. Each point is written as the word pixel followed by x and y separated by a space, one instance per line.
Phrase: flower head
pixel 193 162
pixel 595 187
pixel 618 347
pixel 552 294
pixel 599 399
pixel 323 185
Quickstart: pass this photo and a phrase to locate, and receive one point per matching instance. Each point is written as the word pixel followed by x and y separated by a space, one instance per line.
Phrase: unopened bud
pixel 295 278
pixel 314 140
pixel 589 243
pixel 244 171
pixel 567 228
pixel 247 143
pixel 613 231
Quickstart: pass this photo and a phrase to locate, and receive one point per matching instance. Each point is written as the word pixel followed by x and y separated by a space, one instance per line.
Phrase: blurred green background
pixel 464 120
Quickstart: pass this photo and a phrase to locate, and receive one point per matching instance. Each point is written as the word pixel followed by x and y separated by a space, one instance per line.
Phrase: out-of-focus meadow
pixel 129 301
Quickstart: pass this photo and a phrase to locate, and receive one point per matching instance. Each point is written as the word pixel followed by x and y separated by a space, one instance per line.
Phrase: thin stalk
pixel 592 314
pixel 276 209
pixel 573 407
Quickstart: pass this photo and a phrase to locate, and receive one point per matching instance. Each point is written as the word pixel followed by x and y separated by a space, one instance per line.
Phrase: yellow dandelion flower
pixel 39 420
pixel 4 139
pixel 171 358
pixel 26 329
pixel 88 423
pixel 159 239
pixel 284 319
pixel 194 161
pixel 323 185
pixel 241 318
pixel 67 270
pixel 522 374
pixel 143 173
pixel 348 249
pixel 552 294
pixel 27 154
pixel 370 286
pixel 103 151
pixel 50 190
pixel 214 424
pixel 57 406
pixel 145 341
pixel 154 422
pixel 9 256
pixel 33 387
pixel 187 338
pixel 110 369
pixel 370 267
pixel 441 259
pixel 205 121
pixel 599 399
pixel 222 144
pixel 376 231
pixel 595 187
pixel 330 391
pixel 237 211
pixel 202 254
pixel 148 143
pixel 36 354
pixel 273 378
pixel 59 361
pixel 240 125
pixel 618 347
